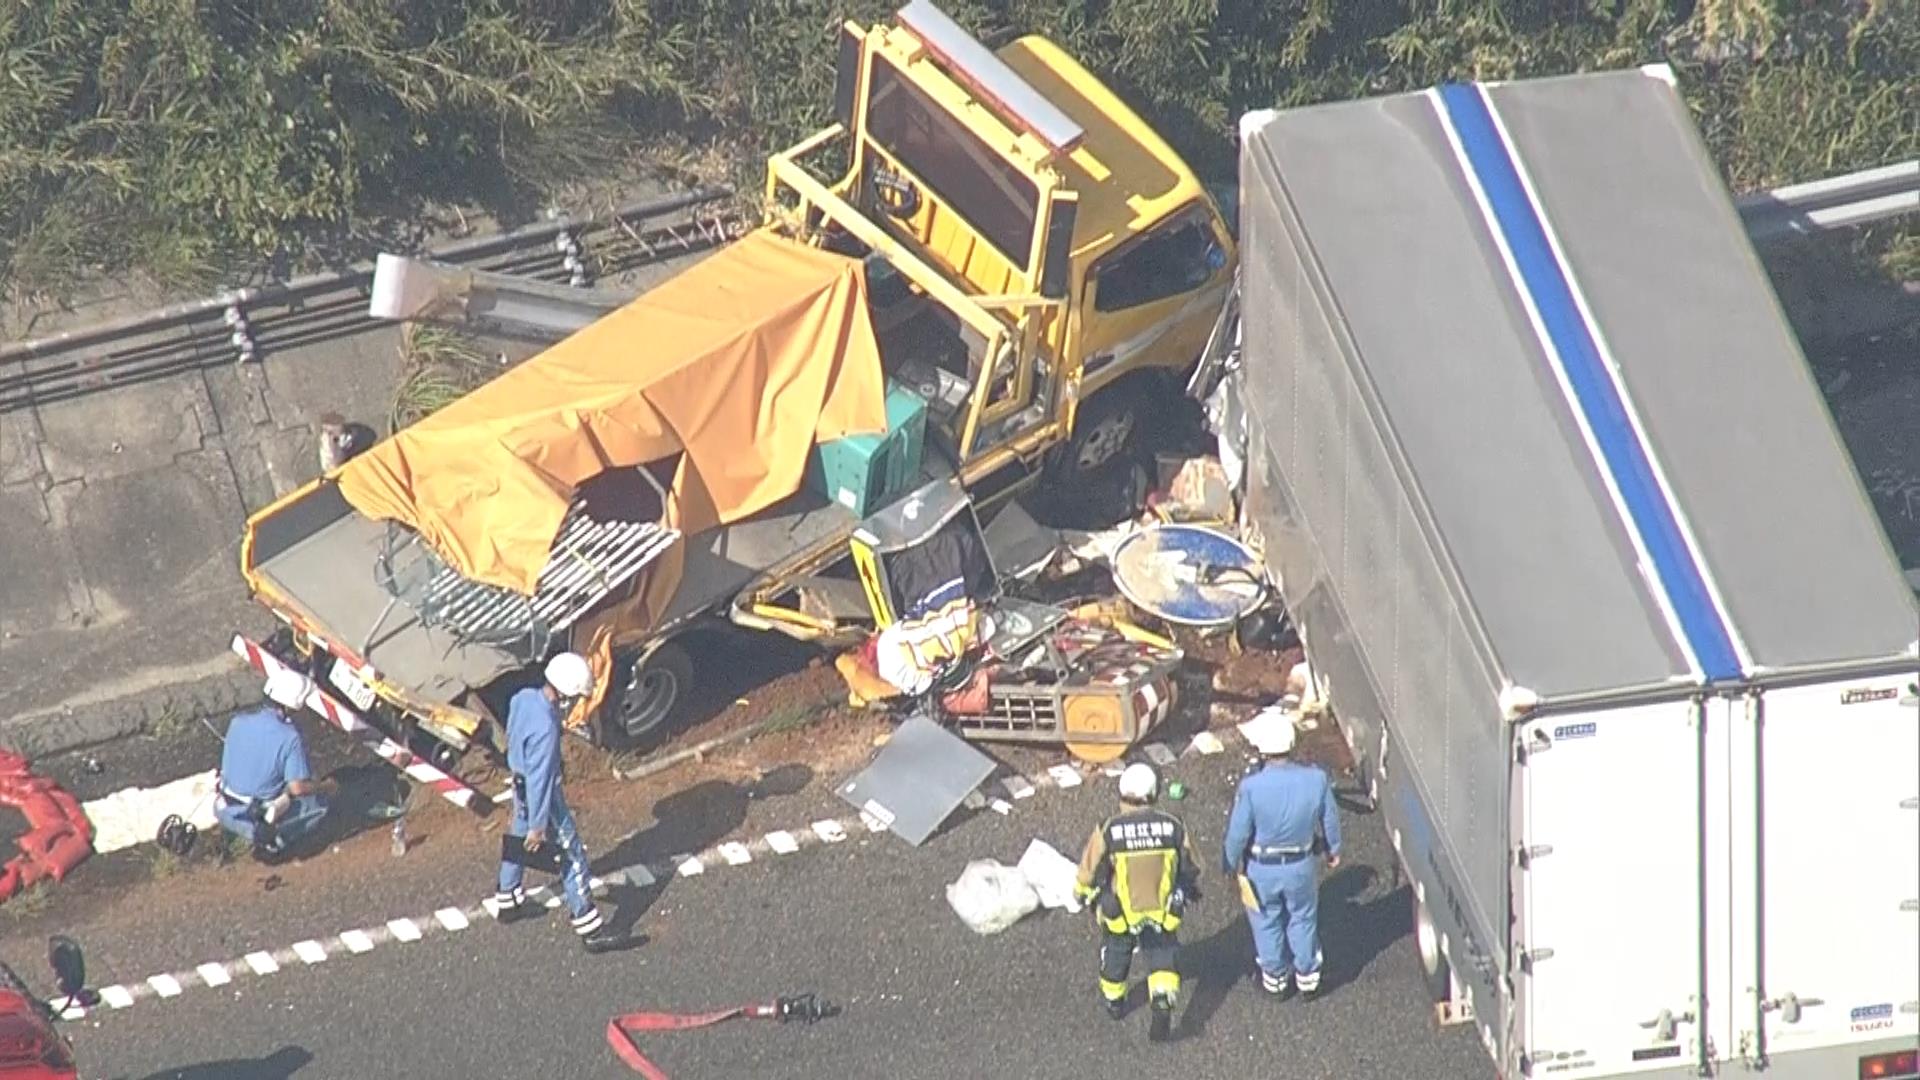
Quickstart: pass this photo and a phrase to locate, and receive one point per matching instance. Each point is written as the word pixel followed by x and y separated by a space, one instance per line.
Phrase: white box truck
pixel 1595 592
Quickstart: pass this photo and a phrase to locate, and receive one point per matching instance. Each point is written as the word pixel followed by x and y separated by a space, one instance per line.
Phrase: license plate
pixel 349 683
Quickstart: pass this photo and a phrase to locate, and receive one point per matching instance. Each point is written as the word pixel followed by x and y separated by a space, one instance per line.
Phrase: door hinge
pixel 1525 855
pixel 1530 957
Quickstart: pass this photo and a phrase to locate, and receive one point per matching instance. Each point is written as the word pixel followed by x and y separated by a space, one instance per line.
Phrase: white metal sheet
pixel 1840 881
pixel 1612 888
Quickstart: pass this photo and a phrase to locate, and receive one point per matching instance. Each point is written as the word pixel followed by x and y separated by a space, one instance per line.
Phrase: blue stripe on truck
pixel 1541 276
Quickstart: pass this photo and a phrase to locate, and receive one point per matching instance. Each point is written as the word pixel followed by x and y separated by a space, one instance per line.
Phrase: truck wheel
pixel 1103 431
pixel 1434 970
pixel 648 688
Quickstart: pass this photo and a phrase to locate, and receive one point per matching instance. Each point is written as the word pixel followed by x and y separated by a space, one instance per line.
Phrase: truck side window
pixel 1180 256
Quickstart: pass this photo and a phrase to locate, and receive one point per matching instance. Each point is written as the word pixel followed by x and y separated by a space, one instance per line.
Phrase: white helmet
pixel 1139 782
pixel 1271 731
pixel 570 674
pixel 288 688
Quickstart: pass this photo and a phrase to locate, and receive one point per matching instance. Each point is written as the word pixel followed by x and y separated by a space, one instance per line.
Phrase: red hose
pixel 621 1029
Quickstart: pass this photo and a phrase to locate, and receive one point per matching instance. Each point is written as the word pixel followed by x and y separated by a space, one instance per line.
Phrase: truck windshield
pixel 984 189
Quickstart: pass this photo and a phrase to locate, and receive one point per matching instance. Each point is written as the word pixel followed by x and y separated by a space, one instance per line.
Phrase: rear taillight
pixel 1898 1065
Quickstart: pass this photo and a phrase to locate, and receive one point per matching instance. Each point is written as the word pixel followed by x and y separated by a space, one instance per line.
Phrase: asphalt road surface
pixel 863 923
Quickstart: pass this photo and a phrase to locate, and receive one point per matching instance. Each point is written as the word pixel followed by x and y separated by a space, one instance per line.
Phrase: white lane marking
pixel 357 941
pixel 311 952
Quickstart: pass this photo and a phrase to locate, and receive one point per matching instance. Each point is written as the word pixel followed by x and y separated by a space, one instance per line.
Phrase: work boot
pixel 1116 1007
pixel 510 908
pixel 605 940
pixel 1280 987
pixel 1160 1029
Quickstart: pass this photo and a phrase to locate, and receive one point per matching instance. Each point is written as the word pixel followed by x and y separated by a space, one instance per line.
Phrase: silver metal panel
pixel 1377 315
pixel 918 779
pixel 974 64
pixel 1730 409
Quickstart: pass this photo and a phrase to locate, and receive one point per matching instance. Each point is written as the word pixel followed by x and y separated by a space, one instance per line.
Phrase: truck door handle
pixel 1789 1006
pixel 1664 1024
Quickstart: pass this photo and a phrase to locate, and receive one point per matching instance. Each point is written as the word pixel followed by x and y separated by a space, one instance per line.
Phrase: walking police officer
pixel 1139 872
pixel 1270 844
pixel 540 813
pixel 265 792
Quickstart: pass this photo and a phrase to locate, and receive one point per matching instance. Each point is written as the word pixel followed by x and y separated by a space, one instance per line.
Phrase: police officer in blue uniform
pixel 540 813
pixel 1270 844
pixel 265 793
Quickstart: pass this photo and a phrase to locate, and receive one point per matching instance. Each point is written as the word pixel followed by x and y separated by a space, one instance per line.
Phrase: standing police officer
pixel 1270 844
pixel 1139 872
pixel 540 813
pixel 265 792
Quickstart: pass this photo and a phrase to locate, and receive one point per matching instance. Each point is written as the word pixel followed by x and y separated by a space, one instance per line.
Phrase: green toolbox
pixel 865 472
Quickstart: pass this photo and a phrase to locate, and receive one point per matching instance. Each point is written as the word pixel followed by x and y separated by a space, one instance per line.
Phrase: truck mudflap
pixel 418 769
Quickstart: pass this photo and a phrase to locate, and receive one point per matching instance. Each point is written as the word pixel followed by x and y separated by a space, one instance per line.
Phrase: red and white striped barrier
pixel 450 788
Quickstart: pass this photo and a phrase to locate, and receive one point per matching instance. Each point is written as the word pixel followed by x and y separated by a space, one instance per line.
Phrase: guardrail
pixel 1837 202
pixel 242 325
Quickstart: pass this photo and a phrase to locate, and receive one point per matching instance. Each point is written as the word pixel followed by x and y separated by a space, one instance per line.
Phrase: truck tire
pixel 1107 427
pixel 648 689
pixel 1434 970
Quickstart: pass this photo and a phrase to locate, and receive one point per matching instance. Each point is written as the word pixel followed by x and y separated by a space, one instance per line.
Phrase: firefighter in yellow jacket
pixel 1139 873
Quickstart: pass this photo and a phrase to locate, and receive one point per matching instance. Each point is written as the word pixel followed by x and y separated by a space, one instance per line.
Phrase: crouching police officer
pixel 540 813
pixel 1270 844
pixel 265 793
pixel 1139 873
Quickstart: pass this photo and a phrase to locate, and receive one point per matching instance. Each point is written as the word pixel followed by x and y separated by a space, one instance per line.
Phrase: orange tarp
pixel 743 362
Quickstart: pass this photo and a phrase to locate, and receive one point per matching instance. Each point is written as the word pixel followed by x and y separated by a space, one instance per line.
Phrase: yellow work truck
pixel 984 273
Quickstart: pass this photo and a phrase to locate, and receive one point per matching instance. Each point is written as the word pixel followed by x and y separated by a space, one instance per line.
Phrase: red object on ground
pixel 621 1029
pixel 58 838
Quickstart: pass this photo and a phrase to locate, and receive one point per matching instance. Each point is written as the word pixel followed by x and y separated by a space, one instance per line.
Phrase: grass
pixel 161 863
pixel 25 905
pixel 173 722
pixel 440 366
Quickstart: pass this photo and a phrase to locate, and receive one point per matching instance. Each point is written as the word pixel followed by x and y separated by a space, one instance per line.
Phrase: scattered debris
pixel 989 897
pixel 1051 874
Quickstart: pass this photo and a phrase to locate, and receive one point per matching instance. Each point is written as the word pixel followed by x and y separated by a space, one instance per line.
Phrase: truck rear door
pixel 1610 916
pixel 1839 898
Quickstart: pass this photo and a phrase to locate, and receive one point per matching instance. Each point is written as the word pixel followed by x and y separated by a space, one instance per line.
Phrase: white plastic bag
pixel 1051 874
pixel 990 897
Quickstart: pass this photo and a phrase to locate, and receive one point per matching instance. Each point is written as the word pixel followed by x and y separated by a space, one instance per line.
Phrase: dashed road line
pixel 454 920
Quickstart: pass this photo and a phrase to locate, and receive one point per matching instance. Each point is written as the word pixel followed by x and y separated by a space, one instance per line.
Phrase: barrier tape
pixel 448 786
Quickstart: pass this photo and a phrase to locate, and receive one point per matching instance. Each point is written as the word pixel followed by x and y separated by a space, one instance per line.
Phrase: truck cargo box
pixel 1601 602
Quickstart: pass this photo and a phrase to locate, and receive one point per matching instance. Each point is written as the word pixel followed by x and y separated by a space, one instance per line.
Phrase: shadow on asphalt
pixel 279 1065
pixel 1212 967
pixel 686 822
pixel 1355 931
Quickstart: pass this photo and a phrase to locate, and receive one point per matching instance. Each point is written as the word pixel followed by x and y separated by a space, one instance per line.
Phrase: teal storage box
pixel 865 472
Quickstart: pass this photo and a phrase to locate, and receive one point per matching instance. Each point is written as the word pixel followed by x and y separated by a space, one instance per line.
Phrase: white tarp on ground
pixel 1051 874
pixel 132 816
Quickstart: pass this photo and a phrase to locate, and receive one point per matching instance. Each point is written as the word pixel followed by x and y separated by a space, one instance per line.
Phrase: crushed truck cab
pixel 981 273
